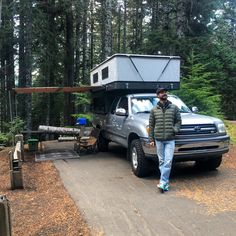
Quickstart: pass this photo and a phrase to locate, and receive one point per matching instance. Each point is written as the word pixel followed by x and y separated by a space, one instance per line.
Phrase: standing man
pixel 164 123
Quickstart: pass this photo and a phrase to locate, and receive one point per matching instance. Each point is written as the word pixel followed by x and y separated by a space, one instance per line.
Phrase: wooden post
pixel 5 218
pixel 15 170
pixel 20 138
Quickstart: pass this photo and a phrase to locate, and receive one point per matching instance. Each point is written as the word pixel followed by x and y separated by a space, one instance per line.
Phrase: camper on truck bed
pixel 122 105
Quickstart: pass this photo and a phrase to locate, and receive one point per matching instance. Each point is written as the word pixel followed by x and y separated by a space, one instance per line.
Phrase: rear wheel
pixel 102 143
pixel 209 164
pixel 140 164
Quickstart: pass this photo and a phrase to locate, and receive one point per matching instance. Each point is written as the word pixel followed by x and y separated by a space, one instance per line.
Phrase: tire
pixel 209 164
pixel 102 143
pixel 76 148
pixel 140 165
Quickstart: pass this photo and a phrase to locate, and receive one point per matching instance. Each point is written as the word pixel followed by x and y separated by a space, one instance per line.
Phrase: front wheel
pixel 209 164
pixel 102 143
pixel 140 164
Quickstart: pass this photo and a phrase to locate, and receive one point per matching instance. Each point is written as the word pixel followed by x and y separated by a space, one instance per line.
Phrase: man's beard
pixel 163 98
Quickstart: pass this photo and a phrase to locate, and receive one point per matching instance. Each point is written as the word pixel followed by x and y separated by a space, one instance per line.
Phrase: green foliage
pixel 226 85
pixel 3 138
pixel 82 101
pixel 13 127
pixel 196 88
pixel 231 130
pixel 161 42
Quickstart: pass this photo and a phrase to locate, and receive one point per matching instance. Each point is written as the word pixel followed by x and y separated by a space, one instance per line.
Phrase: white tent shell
pixel 132 68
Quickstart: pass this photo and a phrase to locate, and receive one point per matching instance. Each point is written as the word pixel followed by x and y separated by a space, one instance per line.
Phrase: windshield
pixel 145 104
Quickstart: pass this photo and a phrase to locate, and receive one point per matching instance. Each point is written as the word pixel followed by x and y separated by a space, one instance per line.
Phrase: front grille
pixel 197 129
pixel 198 148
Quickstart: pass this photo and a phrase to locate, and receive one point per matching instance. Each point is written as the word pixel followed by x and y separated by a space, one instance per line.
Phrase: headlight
pixel 147 128
pixel 221 128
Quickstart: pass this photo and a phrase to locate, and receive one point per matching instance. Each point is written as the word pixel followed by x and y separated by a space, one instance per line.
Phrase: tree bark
pixel 2 92
pixel 69 65
pixel 181 20
pixel 0 12
pixel 10 74
pixel 155 14
pixel 106 29
pixel 28 62
pixel 124 49
pixel 21 99
pixel 84 41
pixel 58 130
pixel 51 61
pixel 91 33
pixel 78 39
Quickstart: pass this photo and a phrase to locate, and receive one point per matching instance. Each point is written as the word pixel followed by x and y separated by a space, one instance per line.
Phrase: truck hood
pixel 191 118
pixel 187 118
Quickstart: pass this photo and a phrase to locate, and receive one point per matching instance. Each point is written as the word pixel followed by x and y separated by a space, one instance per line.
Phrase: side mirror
pixel 194 109
pixel 120 112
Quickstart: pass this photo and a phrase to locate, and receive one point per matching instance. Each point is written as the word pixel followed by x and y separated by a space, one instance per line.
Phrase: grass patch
pixel 231 130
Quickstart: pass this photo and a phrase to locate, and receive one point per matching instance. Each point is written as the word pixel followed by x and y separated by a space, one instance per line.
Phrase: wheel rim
pixel 134 158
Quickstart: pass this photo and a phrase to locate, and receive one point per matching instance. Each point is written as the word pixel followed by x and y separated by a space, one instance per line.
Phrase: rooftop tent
pixel 137 72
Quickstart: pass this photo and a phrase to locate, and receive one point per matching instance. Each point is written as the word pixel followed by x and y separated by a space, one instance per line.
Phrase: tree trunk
pixel 28 62
pixel 106 29
pixel 10 74
pixel 119 30
pixel 58 130
pixel 69 65
pixel 91 34
pixel 2 78
pixel 78 36
pixel 51 61
pixel 21 99
pixel 84 42
pixel 181 20
pixel 155 14
pixel 125 27
pixel 2 92
pixel 7 62
pixel 0 12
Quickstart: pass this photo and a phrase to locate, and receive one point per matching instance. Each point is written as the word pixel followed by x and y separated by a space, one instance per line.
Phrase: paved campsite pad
pixel 118 203
pixel 55 155
pixel 54 150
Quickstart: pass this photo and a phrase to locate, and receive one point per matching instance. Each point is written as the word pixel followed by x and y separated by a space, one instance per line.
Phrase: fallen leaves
pixel 43 207
pixel 216 191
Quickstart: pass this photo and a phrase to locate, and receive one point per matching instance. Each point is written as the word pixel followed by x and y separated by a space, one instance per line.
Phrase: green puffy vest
pixel 164 123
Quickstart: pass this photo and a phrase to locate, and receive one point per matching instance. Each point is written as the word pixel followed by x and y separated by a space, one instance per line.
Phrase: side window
pixel 95 78
pixel 99 105
pixel 113 106
pixel 123 103
pixel 105 73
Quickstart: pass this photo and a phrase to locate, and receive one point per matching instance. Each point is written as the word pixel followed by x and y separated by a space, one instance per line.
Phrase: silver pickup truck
pixel 202 139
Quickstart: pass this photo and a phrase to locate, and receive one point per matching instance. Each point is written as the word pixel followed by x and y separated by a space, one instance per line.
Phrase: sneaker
pixel 161 188
pixel 166 187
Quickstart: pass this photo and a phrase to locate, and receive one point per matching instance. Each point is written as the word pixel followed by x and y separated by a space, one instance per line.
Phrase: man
pixel 164 123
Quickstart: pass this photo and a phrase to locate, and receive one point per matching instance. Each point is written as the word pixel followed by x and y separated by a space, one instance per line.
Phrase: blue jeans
pixel 165 153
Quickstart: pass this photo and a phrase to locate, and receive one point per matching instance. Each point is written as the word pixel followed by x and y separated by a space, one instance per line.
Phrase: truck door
pixel 111 120
pixel 119 121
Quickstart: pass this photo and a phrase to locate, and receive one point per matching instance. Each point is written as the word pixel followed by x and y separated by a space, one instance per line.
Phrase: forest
pixel 47 43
